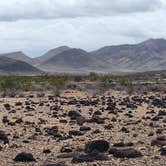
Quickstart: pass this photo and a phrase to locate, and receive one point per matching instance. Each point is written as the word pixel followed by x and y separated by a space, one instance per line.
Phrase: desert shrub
pixel 7 84
pixel 56 91
pixel 78 78
pixel 93 76
pixel 10 85
pixel 130 88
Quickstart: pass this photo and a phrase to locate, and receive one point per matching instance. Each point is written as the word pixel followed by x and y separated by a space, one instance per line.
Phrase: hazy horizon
pixel 46 50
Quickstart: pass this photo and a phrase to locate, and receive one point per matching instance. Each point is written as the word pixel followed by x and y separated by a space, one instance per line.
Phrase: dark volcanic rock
pixel 76 133
pixel 66 149
pixel 46 151
pixel 125 153
pixel 18 104
pixel 4 137
pixel 163 151
pixel 24 157
pixel 5 119
pixel 96 119
pixel 160 103
pixel 97 113
pixel 52 131
pixel 109 127
pixel 97 146
pixel 74 114
pixel 7 106
pixel 122 144
pixel 159 141
pixel 19 120
pixel 162 113
pixel 125 130
pixel 85 128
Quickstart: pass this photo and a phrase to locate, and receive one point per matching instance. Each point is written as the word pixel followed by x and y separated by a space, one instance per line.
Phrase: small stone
pixel 125 153
pixel 4 137
pixel 46 151
pixel 66 149
pixel 163 151
pixel 97 146
pixel 76 133
pixel 24 157
pixel 74 114
pixel 159 141
pixel 85 128
pixel 5 120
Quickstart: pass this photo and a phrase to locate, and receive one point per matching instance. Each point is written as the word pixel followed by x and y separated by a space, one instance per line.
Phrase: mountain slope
pixel 145 56
pixel 9 65
pixel 52 53
pixel 149 55
pixel 18 56
pixel 73 59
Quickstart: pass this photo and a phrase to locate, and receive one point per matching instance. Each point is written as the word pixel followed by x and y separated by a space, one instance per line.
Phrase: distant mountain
pixel 19 56
pixel 73 59
pixel 149 55
pixel 146 56
pixel 12 66
pixel 51 53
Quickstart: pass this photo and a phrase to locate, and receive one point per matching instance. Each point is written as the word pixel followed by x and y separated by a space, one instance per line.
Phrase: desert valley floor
pixel 79 128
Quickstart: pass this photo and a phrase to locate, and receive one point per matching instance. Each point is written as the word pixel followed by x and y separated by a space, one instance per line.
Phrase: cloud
pixel 35 26
pixel 35 37
pixel 52 9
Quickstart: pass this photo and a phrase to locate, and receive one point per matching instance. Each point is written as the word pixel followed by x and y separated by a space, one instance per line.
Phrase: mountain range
pixel 149 55
pixel 12 66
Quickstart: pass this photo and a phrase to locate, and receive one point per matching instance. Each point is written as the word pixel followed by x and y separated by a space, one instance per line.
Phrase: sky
pixel 35 26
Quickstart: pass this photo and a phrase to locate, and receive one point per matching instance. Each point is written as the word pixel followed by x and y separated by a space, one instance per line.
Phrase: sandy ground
pixel 23 136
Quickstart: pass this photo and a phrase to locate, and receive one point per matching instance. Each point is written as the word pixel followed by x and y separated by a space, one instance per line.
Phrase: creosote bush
pixel 11 85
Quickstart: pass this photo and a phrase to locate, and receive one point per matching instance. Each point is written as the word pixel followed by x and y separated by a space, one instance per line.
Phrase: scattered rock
pixel 7 106
pixel 159 141
pixel 96 119
pixel 52 131
pixel 109 127
pixel 5 120
pixel 122 144
pixel 4 137
pixel 85 128
pixel 163 151
pixel 76 133
pixel 125 153
pixel 46 151
pixel 24 157
pixel 66 149
pixel 74 114
pixel 97 146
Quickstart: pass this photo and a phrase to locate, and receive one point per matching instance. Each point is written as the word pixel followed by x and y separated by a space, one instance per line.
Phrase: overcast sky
pixel 35 26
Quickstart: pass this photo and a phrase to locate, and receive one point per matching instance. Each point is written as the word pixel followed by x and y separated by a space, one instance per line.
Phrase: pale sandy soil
pixel 138 132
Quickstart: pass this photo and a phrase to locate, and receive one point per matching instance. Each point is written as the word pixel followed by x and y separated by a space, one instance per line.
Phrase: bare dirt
pixel 44 127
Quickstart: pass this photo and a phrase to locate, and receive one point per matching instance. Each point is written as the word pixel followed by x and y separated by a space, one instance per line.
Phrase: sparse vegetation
pixel 10 85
